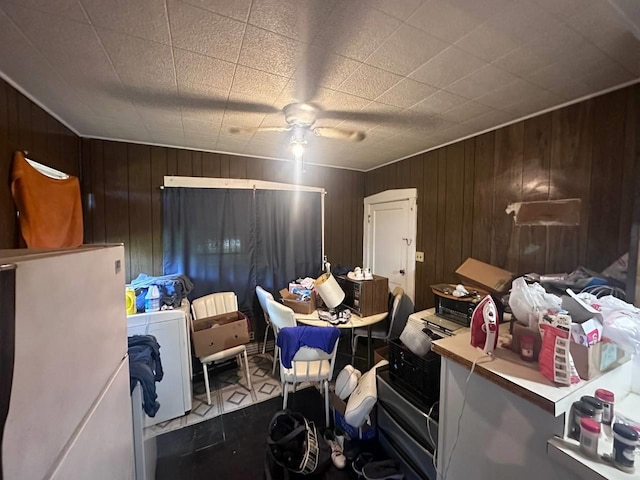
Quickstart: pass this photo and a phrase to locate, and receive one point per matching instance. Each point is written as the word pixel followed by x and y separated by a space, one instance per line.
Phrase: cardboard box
pixel 380 354
pixel 519 331
pixel 596 359
pixel 291 301
pixel 213 334
pixel 483 275
pixel 339 406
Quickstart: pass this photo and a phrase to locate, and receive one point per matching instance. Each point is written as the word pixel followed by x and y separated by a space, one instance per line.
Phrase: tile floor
pixel 227 440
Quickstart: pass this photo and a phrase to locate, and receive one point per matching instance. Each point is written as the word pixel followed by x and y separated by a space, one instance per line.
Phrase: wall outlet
pixel 252 336
pixel 419 256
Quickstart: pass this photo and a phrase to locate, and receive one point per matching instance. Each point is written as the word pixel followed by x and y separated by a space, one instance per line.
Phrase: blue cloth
pixel 145 367
pixel 173 288
pixel 290 339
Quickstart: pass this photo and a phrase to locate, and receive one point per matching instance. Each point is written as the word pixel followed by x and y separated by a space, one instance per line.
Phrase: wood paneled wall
pixel 26 126
pixel 121 189
pixel 587 151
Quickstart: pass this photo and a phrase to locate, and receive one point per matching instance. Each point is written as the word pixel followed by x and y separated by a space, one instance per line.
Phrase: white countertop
pixel 524 379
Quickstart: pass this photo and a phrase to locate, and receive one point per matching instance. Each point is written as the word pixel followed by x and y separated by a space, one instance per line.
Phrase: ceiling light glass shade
pixel 297 144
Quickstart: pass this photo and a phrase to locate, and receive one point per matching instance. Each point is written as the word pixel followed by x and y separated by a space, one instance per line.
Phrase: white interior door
pixel 389 240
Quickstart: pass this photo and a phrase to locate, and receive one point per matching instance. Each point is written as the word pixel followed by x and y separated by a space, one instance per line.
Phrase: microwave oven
pixel 365 297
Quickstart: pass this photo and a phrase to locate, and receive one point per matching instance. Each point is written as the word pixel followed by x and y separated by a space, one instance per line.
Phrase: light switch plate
pixel 419 256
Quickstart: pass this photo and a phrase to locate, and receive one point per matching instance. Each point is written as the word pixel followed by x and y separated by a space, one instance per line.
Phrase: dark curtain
pixel 289 237
pixel 233 240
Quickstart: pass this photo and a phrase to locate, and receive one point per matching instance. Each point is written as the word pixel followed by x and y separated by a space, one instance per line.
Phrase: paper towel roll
pixel 330 292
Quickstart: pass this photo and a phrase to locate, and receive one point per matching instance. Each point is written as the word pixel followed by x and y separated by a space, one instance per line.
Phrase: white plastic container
pixel 589 435
pixel 152 299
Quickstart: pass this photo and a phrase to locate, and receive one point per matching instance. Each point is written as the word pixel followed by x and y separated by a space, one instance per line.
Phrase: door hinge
pixel 368 218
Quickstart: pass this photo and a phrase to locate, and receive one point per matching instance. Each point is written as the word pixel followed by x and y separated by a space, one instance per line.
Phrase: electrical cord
pixel 433 442
pixel 464 403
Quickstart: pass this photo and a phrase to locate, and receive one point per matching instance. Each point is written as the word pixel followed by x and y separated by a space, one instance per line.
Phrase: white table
pixel 355 321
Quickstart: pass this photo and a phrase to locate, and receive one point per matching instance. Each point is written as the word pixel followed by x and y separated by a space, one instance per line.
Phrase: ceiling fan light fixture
pixel 297 144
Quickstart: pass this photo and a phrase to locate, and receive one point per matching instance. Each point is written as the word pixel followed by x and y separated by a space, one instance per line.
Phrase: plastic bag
pixel 527 301
pixel 621 321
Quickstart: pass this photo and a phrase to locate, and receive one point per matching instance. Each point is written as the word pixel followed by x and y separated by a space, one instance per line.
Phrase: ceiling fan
pixel 301 117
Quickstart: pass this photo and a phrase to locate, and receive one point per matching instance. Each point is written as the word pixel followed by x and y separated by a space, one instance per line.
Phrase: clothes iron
pixel 484 325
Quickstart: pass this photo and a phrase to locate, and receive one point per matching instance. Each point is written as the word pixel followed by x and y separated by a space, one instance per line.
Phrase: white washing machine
pixel 171 329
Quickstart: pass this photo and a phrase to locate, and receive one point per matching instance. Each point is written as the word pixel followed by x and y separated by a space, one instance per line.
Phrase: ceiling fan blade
pixel 325 46
pixel 369 117
pixel 258 129
pixel 193 101
pixel 340 133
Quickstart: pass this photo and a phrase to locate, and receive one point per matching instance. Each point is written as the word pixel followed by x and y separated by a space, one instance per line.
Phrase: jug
pixel 152 299
pixel 130 297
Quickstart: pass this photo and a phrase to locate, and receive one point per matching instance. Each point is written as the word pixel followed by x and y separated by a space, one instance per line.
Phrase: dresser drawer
pixel 409 472
pixel 414 454
pixel 411 418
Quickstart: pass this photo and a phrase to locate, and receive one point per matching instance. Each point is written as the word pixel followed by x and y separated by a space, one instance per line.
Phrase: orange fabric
pixel 50 209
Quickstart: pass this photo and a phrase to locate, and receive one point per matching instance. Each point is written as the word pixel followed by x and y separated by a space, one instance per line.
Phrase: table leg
pixel 369 352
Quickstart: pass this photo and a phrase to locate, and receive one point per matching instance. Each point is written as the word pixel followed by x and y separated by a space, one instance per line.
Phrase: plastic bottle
pixel 152 299
pixel 608 400
pixel 625 440
pixel 589 435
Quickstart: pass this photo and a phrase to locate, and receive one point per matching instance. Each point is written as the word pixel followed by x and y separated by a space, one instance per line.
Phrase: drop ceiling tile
pixel 401 9
pixel 625 49
pixel 269 52
pixel 125 16
pixel 487 43
pixel 607 75
pixel 405 50
pixel 211 127
pixel 158 118
pixel 465 112
pixel 562 8
pixel 523 61
pixel 447 67
pixel 291 18
pixel 438 103
pixel 262 86
pixel 443 20
pixel 192 68
pixel 237 9
pixel 140 64
pixel 560 43
pixel 369 82
pixel 523 20
pixel 321 68
pixel 202 114
pixel 241 119
pixel 69 9
pixel 204 32
pixel 489 120
pixel 481 82
pixel 481 10
pixel 543 100
pixel 554 78
pixel 598 23
pixel 339 34
pixel 331 100
pixel 172 138
pixel 510 94
pixel 405 93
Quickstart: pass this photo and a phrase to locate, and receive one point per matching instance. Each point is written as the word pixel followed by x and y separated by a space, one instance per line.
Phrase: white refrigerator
pixel 65 408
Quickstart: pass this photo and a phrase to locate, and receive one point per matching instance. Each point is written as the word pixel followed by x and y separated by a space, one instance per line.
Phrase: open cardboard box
pixel 339 406
pixel 291 301
pixel 483 275
pixel 213 334
pixel 596 359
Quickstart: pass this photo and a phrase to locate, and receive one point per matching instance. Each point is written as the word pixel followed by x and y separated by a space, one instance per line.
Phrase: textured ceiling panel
pixel 409 74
